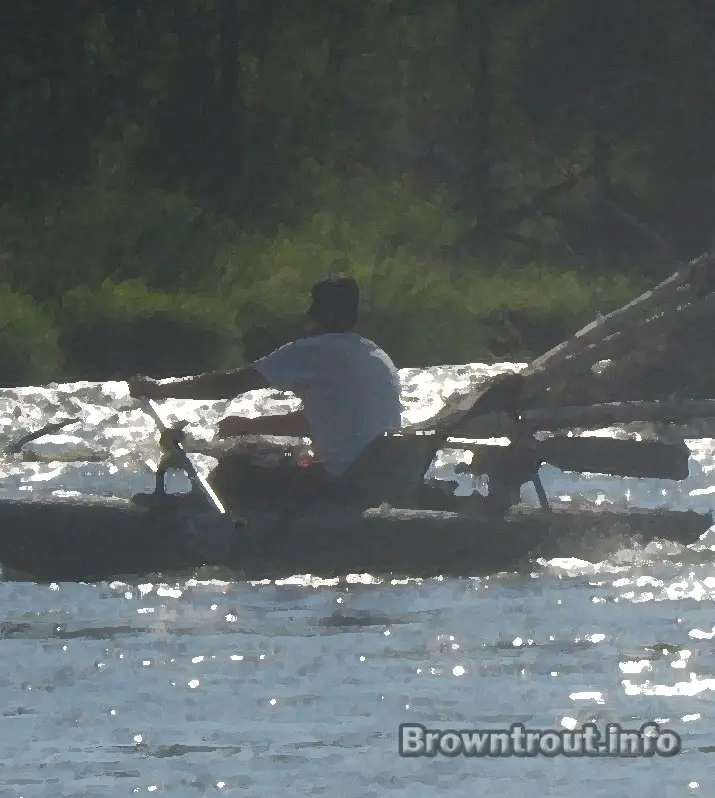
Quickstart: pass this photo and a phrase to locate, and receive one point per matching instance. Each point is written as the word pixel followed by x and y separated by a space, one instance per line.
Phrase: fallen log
pixel 502 394
pixel 14 447
pixel 608 335
pixel 658 324
pixel 630 372
pixel 582 350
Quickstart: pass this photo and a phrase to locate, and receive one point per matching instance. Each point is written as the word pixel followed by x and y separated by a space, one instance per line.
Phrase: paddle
pixel 169 441
pixel 624 458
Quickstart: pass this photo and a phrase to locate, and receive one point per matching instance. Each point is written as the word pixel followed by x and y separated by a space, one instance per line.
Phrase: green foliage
pixel 113 301
pixel 116 230
pixel 193 312
pixel 29 351
pixel 125 328
pixel 177 174
pixel 541 290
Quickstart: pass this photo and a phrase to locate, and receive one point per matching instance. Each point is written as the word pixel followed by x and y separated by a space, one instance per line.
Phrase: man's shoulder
pixel 297 344
pixel 356 342
pixel 368 343
pixel 336 344
pixel 332 341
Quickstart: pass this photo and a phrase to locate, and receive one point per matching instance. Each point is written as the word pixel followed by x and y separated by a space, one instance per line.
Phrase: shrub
pixel 29 351
pixel 124 328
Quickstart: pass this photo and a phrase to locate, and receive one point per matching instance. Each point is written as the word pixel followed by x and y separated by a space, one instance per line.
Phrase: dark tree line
pixel 572 135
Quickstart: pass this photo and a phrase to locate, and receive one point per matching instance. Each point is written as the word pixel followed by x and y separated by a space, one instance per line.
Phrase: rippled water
pixel 207 685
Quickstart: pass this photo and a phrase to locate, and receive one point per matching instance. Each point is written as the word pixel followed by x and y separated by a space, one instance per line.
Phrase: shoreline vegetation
pixel 178 173
pixel 247 293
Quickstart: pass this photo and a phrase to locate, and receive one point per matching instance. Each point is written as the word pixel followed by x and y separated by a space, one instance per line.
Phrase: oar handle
pixel 196 479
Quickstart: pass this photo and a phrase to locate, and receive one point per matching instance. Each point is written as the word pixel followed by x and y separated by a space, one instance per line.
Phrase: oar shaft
pixel 196 479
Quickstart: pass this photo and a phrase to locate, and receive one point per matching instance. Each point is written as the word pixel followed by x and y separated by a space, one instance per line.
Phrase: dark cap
pixel 336 301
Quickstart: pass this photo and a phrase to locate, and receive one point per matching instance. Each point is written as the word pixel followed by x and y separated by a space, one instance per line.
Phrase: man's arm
pixel 213 385
pixel 285 369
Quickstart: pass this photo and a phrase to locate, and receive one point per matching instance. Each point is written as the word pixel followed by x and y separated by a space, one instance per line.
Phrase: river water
pixel 204 686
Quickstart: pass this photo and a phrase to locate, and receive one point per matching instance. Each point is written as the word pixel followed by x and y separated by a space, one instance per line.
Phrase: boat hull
pixel 95 539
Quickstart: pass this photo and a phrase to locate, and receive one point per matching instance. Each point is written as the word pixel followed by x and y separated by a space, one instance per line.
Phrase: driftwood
pixel 658 324
pixel 681 297
pixel 582 350
pixel 16 446
pixel 666 360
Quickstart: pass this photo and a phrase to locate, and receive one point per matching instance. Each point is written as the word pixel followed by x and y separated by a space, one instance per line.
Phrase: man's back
pixel 350 390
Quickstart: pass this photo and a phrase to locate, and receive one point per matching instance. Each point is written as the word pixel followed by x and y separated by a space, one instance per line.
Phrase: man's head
pixel 336 303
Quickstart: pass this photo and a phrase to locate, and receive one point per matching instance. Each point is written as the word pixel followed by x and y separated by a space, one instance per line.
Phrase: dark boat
pixel 95 539
pixel 381 525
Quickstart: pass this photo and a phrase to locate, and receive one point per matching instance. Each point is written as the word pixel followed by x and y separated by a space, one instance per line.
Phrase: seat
pixel 390 470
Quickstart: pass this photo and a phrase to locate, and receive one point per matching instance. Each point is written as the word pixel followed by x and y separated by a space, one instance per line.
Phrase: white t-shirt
pixel 349 387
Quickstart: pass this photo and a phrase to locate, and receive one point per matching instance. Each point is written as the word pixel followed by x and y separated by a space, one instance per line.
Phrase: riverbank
pixel 100 284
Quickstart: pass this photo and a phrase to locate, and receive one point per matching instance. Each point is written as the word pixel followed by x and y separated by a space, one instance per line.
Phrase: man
pixel 349 387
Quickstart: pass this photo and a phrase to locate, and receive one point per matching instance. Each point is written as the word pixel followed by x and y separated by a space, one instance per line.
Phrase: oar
pixel 198 482
pixel 625 458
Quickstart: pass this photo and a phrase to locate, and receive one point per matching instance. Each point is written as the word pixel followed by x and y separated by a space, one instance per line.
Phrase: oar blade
pixel 626 458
